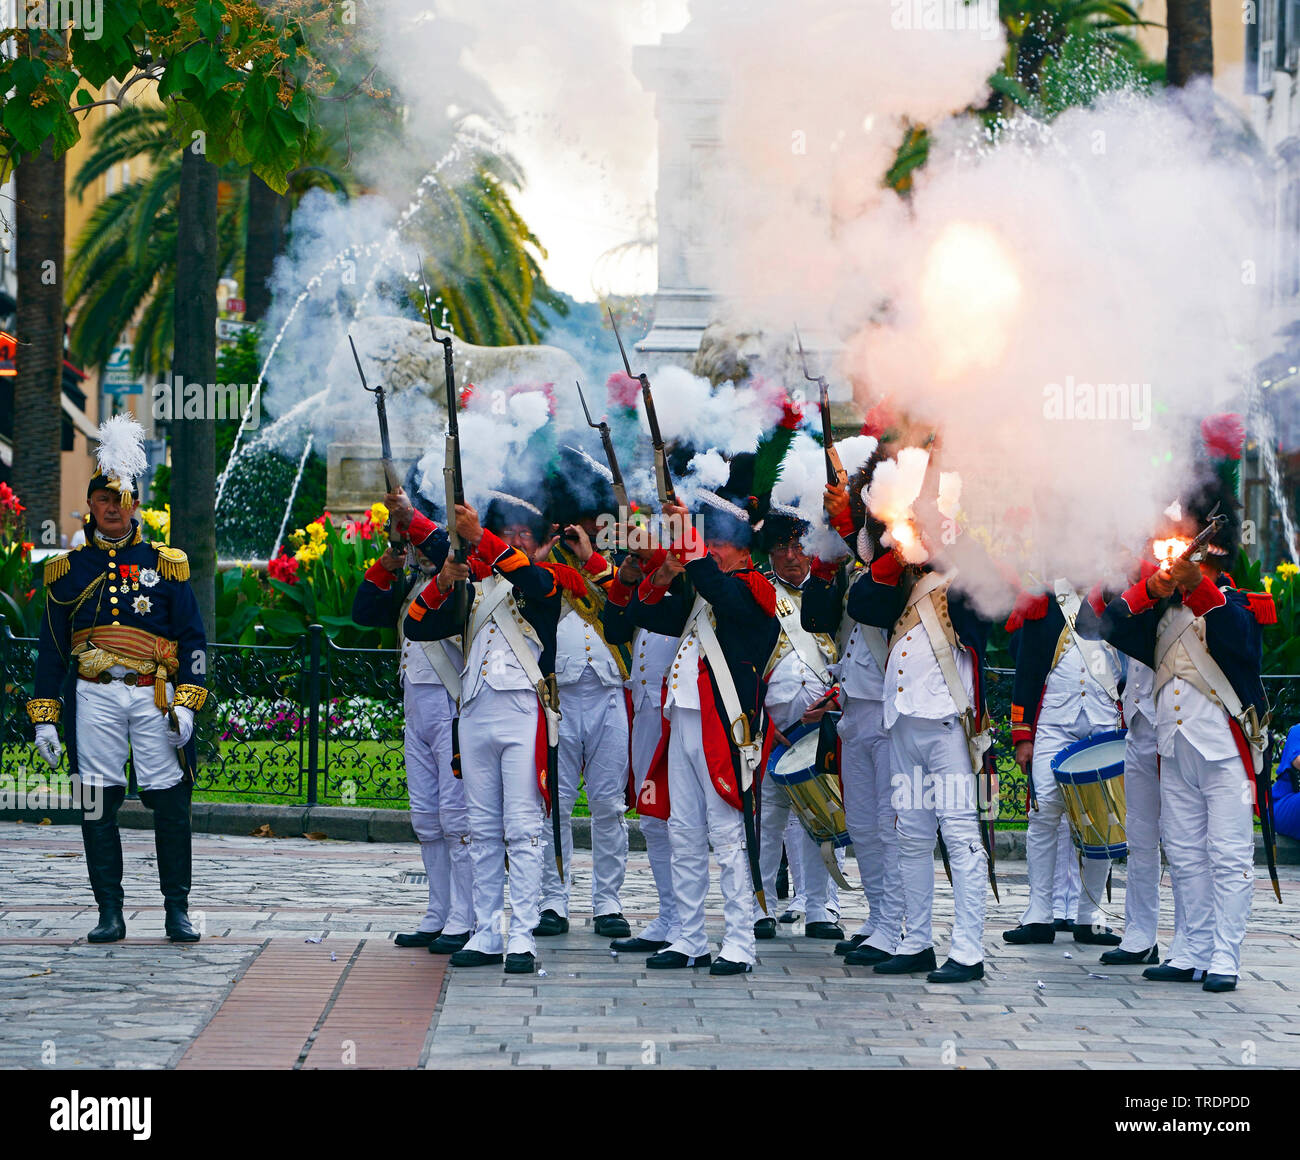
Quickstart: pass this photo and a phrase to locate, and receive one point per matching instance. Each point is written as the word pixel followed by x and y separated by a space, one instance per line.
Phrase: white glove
pixel 47 744
pixel 185 720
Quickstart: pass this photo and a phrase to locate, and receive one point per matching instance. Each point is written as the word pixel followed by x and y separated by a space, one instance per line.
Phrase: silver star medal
pixel 149 577
pixel 142 604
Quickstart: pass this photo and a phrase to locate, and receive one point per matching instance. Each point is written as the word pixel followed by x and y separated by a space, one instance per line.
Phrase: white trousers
pixel 498 736
pixel 1208 825
pixel 439 813
pixel 593 746
pixel 811 880
pixel 935 753
pixel 866 762
pixel 1065 884
pixel 700 818
pixel 1043 833
pixel 647 727
pixel 1142 832
pixel 115 719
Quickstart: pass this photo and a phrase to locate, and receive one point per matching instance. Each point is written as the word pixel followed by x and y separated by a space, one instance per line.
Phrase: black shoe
pixel 822 930
pixel 1119 958
pixel 421 938
pixel 521 964
pixel 112 926
pixel 765 928
pixel 907 964
pixel 1164 973
pixel 791 916
pixel 465 958
pixel 723 966
pixel 1033 932
pixel 449 944
pixel 1064 925
pixel 955 972
pixel 638 944
pixel 866 956
pixel 551 923
pixel 1219 983
pixel 850 944
pixel 612 926
pixel 177 924
pixel 1105 937
pixel 671 960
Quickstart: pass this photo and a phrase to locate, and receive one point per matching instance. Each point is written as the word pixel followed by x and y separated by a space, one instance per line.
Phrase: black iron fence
pixel 311 722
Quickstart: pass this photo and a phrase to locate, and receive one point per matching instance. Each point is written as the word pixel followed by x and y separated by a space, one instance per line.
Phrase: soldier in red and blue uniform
pixel 928 743
pixel 509 653
pixel 122 662
pixel 694 778
pixel 430 688
pixel 1209 760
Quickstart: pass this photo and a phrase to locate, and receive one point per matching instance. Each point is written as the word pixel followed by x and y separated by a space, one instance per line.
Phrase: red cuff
pixel 596 564
pixel 1138 598
pixel 491 547
pixel 650 592
pixel 843 522
pixel 656 561
pixel 1096 601
pixel 430 598
pixel 618 593
pixel 824 569
pixel 1021 733
pixel 379 576
pixel 887 569
pixel 1204 597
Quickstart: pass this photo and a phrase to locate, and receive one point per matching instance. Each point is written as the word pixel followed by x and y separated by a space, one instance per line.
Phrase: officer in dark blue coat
pixel 122 648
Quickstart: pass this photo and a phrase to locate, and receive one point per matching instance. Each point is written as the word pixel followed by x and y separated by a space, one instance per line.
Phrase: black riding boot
pixel 171 837
pixel 104 863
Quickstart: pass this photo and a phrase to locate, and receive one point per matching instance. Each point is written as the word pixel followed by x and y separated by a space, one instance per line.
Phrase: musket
pixel 385 444
pixel 835 473
pixel 663 481
pixel 620 491
pixel 1194 551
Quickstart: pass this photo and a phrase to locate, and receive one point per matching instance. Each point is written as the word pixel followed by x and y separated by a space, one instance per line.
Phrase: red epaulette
pixel 1027 607
pixel 764 593
pixel 1262 606
pixel 567 577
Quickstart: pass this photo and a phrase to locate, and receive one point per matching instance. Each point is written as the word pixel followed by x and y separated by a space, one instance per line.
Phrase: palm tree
pixel 484 259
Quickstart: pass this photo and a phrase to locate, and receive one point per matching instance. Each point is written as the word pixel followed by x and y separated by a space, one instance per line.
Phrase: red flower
pixel 622 390
pixel 1223 434
pixel 27 548
pixel 284 568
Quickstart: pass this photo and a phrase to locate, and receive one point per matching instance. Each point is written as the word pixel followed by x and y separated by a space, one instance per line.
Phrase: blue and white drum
pixel 814 793
pixel 1090 774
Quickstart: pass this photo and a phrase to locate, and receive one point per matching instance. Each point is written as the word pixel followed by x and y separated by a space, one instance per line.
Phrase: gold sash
pixel 98 649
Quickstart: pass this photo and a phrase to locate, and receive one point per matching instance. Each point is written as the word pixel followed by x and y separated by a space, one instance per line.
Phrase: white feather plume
pixel 121 450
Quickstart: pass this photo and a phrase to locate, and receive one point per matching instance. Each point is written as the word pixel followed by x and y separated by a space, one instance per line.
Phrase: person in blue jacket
pixel 1286 790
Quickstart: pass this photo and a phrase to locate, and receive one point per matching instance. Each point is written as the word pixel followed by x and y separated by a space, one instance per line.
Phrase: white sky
pixel 591 165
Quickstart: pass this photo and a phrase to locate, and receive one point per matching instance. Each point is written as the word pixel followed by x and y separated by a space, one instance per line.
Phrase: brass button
pixel 1083 694
pixel 904 652
pixel 1180 721
pixel 643 668
pixel 674 684
pixel 643 680
pixel 900 672
pixel 112 589
pixel 1081 680
pixel 112 551
pixel 900 688
pixel 112 600
pixel 1177 708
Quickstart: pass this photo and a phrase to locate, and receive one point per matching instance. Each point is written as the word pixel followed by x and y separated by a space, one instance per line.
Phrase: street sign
pixel 236 306
pixel 118 379
pixel 228 329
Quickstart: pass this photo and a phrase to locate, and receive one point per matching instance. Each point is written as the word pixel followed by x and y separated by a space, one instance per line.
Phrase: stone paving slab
pixel 148 1003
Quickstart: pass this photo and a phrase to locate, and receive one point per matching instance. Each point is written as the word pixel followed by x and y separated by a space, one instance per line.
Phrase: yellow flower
pixel 317 532
pixel 1268 584
pixel 378 514
pixel 1287 569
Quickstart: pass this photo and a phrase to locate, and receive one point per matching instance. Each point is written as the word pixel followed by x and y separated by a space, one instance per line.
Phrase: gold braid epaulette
pixel 57 567
pixel 173 564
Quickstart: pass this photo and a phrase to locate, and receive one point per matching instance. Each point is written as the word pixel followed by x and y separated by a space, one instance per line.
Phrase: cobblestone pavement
pixel 143 1002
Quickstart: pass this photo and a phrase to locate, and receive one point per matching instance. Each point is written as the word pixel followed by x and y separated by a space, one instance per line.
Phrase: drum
pixel 815 794
pixel 1090 774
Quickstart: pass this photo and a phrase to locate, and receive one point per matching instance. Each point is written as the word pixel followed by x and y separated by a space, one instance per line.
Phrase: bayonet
pixel 391 477
pixel 620 491
pixel 835 473
pixel 663 480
